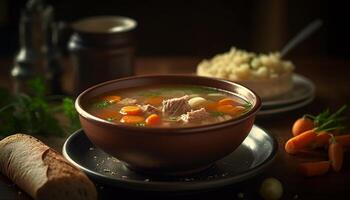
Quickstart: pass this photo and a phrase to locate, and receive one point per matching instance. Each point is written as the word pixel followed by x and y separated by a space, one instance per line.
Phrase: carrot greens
pixel 326 121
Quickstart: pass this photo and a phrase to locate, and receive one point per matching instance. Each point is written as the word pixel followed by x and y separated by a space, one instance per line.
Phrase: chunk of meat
pixel 195 116
pixel 176 106
pixel 127 101
pixel 149 109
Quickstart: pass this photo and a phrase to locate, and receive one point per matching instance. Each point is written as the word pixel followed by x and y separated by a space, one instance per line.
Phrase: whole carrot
pixel 301 125
pixel 335 154
pixel 314 168
pixel 300 141
pixel 344 140
pixel 322 140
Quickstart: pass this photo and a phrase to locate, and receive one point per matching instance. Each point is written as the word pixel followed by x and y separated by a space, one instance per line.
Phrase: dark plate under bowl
pixel 251 157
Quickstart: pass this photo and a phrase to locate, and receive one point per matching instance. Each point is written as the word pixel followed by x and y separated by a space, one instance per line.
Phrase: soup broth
pixel 168 106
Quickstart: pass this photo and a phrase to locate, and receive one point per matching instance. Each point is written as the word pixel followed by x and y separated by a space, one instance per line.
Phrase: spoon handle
pixel 301 36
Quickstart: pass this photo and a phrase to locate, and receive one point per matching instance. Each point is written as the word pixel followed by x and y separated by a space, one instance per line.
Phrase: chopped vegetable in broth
pixel 168 106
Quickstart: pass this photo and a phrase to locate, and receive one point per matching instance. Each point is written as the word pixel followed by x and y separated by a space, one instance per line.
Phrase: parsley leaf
pixel 34 113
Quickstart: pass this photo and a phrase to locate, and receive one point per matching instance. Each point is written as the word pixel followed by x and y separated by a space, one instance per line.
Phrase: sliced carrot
pixel 344 140
pixel 112 98
pixel 154 101
pixel 212 106
pixel 130 110
pixel 153 119
pixel 301 125
pixel 301 141
pixel 322 140
pixel 131 119
pixel 335 154
pixel 314 168
pixel 231 110
pixel 228 101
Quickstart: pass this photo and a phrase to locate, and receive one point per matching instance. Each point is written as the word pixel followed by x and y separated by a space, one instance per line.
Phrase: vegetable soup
pixel 167 106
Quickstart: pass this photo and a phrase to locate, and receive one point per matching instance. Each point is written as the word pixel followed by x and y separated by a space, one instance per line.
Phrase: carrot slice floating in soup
pixel 153 119
pixel 112 98
pixel 211 106
pixel 154 101
pixel 231 110
pixel 130 110
pixel 228 101
pixel 131 119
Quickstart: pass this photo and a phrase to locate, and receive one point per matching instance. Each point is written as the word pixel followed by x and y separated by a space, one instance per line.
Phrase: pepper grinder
pixel 26 59
pixel 35 9
pixel 52 65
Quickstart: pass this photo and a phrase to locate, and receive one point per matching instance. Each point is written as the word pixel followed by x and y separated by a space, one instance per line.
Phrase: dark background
pixel 205 28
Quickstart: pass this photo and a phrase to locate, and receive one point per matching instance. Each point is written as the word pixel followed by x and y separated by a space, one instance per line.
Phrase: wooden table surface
pixel 332 81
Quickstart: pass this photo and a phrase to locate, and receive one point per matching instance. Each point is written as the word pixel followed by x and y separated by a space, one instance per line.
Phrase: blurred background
pixel 203 28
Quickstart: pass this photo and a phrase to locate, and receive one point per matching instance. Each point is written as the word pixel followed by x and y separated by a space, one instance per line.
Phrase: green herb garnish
pixel 247 105
pixel 35 113
pixel 326 121
pixel 110 119
pixel 72 115
pixel 103 104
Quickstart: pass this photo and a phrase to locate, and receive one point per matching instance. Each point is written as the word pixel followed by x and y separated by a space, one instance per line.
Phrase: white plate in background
pixel 303 88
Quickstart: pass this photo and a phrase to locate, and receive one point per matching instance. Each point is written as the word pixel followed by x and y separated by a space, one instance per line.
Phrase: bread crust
pixel 42 172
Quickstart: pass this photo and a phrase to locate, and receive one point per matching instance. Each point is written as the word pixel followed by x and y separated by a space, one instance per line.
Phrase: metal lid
pixel 104 25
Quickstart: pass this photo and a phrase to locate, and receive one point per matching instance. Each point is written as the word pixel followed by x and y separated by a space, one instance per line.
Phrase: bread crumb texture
pixel 42 172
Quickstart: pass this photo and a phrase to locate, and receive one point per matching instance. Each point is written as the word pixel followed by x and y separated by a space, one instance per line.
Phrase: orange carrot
pixel 131 119
pixel 112 98
pixel 335 154
pixel 228 101
pixel 314 168
pixel 322 140
pixel 130 110
pixel 301 125
pixel 344 140
pixel 231 110
pixel 154 101
pixel 301 141
pixel 211 106
pixel 153 119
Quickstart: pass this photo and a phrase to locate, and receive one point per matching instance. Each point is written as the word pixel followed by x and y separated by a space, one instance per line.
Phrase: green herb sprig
pixel 36 113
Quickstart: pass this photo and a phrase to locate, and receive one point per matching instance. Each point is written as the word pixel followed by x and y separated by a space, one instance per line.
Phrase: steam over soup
pixel 167 106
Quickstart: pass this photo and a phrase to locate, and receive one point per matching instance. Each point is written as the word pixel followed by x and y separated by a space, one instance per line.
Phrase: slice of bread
pixel 42 172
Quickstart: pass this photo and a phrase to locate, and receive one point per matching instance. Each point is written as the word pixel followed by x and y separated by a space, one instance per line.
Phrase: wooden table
pixel 332 81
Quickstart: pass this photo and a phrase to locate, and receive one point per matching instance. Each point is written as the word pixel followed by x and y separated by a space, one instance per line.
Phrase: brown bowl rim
pixel 182 130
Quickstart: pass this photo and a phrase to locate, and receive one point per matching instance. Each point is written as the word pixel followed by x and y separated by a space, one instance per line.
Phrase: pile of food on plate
pixel 323 131
pixel 267 74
